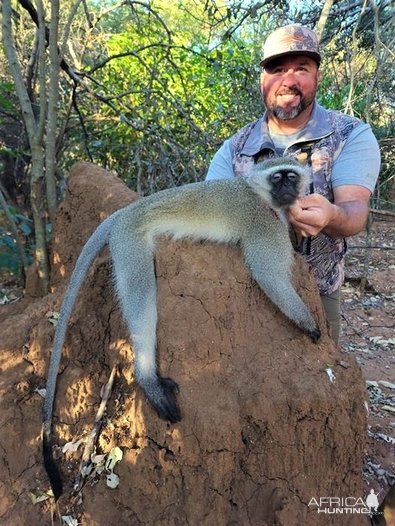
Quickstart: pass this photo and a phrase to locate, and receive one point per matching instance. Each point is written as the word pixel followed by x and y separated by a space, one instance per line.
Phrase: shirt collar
pixel 318 126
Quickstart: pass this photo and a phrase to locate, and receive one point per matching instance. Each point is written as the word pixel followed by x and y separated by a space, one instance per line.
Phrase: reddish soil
pixel 263 429
pixel 369 335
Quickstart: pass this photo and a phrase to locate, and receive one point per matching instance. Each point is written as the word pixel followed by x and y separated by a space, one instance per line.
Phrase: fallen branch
pixel 387 213
pixel 370 247
pixel 92 439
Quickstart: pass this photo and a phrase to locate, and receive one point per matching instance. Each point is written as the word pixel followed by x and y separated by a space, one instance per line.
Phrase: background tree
pixel 39 117
pixel 152 89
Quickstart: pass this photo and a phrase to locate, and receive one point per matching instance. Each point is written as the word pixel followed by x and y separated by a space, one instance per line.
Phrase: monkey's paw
pixel 162 397
pixel 315 335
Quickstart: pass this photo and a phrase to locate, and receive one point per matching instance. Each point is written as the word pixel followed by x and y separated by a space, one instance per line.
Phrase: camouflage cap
pixel 294 39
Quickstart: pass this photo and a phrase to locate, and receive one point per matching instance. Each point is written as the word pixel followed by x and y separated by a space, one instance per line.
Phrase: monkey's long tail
pixel 95 243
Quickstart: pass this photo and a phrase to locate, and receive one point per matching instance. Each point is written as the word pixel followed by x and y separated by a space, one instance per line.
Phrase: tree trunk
pixel 53 96
pixel 320 26
pixel 35 129
pixel 37 199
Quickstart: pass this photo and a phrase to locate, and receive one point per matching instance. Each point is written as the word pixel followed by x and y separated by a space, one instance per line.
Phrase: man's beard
pixel 285 114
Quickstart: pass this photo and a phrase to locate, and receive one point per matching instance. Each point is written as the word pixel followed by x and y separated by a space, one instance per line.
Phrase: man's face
pixel 289 85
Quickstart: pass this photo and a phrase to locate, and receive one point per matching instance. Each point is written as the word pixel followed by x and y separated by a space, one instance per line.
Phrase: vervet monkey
pixel 248 211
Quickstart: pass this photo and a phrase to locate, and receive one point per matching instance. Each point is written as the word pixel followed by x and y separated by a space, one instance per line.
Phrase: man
pixel 342 151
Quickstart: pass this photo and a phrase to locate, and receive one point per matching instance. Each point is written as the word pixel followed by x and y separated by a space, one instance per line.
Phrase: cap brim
pixel 311 54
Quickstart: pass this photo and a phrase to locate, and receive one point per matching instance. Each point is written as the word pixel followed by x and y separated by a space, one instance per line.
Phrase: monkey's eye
pixel 292 176
pixel 276 177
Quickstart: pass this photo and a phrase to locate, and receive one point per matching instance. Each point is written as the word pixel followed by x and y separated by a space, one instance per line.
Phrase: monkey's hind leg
pixel 271 267
pixel 136 287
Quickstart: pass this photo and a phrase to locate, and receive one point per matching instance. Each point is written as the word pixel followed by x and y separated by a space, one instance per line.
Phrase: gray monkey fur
pixel 248 211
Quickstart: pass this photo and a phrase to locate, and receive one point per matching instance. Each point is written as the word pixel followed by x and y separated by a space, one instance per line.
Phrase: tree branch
pixel 250 11
pixel 320 26
pixel 135 53
pixel 53 97
pixel 26 4
pixel 16 71
pixel 42 74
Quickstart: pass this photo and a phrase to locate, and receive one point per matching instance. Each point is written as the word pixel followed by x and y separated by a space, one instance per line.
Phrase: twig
pixel 370 247
pixel 92 439
pixel 387 213
pixel 367 255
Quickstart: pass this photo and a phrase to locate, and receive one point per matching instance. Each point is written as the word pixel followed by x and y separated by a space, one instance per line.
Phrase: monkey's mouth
pixel 285 199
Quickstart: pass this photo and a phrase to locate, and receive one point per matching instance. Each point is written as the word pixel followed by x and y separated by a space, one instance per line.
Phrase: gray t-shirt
pixel 358 162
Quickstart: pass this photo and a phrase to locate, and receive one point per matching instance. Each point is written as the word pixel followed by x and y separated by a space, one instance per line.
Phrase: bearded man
pixel 342 151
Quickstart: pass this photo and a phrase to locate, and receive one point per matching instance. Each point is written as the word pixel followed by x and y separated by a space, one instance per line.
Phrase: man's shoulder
pixel 338 117
pixel 247 127
pixel 251 134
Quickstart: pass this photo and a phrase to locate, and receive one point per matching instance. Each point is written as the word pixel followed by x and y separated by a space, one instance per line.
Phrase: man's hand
pixel 311 214
pixel 347 216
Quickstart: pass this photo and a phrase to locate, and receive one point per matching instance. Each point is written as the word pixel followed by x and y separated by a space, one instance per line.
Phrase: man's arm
pixel 221 165
pixel 354 176
pixel 345 217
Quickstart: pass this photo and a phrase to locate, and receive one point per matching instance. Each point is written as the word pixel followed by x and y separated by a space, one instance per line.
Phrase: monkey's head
pixel 280 181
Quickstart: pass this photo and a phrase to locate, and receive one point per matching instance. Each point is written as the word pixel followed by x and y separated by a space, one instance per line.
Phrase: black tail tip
pixel 315 335
pixel 52 470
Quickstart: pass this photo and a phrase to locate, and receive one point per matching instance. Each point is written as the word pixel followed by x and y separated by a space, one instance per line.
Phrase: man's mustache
pixel 290 91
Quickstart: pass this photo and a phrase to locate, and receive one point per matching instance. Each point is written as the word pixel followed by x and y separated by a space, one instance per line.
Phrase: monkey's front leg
pixel 270 262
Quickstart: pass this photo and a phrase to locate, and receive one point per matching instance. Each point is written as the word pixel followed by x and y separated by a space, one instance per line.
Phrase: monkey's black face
pixel 285 187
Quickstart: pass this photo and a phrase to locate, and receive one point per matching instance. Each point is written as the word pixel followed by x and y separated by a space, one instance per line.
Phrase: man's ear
pixel 261 77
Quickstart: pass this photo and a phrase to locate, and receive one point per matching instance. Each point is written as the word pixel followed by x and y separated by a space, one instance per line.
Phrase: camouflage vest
pixel 323 140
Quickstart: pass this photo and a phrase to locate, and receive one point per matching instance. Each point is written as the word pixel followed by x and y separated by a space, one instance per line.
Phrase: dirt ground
pixel 368 336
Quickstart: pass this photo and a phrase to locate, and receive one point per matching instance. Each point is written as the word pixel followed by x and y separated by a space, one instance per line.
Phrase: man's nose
pixel 289 77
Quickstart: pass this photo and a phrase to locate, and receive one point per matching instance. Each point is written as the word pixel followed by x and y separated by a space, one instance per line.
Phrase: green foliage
pixel 335 97
pixel 151 89
pixel 5 104
pixel 180 91
pixel 10 263
pixel 164 83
